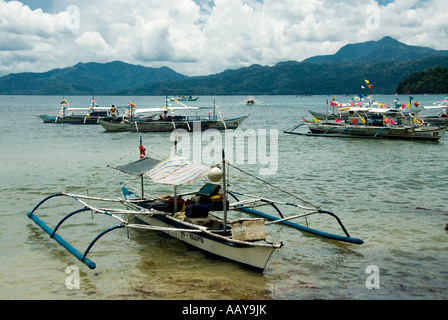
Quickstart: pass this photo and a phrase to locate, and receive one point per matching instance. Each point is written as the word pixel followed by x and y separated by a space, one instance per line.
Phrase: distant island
pixel 385 63
pixel 429 81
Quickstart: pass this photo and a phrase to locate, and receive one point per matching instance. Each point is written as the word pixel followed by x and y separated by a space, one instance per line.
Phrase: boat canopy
pixel 177 171
pixel 87 109
pixel 371 109
pixel 146 110
pixel 138 167
pixel 435 107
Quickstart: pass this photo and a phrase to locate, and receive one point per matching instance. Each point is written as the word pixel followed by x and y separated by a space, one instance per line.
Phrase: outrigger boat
pixel 343 111
pixel 71 115
pixel 172 123
pixel 373 127
pixel 206 221
pixel 252 101
pixel 242 241
pixel 440 119
pixel 161 121
pixel 184 98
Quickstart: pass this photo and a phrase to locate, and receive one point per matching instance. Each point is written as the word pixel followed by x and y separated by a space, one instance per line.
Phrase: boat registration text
pixel 191 236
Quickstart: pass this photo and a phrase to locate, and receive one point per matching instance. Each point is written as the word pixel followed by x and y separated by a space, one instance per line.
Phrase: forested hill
pixel 432 81
pixel 86 79
pixel 385 63
pixel 297 78
pixel 386 49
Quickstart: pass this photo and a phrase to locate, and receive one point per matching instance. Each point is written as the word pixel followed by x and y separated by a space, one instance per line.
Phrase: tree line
pixel 429 81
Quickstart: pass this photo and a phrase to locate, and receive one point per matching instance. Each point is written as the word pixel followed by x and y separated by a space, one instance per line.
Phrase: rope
pixel 273 186
pixel 83 180
pixel 93 175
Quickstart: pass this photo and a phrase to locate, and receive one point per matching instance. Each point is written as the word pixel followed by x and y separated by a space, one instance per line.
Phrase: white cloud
pixel 199 37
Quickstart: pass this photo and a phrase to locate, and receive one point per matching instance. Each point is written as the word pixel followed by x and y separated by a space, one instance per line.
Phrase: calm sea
pixel 391 194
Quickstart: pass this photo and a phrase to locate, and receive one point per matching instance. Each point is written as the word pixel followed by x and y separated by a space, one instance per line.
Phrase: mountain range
pixel 385 63
pixel 86 79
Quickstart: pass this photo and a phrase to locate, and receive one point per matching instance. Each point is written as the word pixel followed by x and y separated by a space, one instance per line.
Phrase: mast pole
pixel 175 187
pixel 224 193
pixel 141 176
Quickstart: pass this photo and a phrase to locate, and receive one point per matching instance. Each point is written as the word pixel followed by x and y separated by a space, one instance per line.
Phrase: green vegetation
pixel 86 79
pixel 303 78
pixel 385 63
pixel 429 81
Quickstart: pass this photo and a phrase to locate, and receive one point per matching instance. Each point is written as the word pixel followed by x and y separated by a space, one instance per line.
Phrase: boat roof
pixel 439 106
pixel 138 167
pixel 368 109
pixel 177 171
pixel 145 110
pixel 89 108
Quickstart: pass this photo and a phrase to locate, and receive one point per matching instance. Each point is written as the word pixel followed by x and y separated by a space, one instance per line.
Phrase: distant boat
pixel 252 101
pixel 184 98
pixel 70 115
pixel 440 119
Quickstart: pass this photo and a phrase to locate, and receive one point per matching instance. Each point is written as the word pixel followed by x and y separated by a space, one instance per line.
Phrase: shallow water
pixel 391 194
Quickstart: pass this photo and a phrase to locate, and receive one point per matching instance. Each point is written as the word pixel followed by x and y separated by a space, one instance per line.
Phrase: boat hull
pixel 428 133
pixel 168 126
pixel 71 119
pixel 252 256
pixel 184 99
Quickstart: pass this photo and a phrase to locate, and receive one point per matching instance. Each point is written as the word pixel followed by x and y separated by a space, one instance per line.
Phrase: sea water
pixel 392 194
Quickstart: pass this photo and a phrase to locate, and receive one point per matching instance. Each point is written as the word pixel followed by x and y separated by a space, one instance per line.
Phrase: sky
pixel 202 37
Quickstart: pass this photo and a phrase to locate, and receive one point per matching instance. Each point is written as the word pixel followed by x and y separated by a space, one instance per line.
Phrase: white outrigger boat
pixel 169 124
pixel 77 115
pixel 440 119
pixel 184 98
pixel 242 241
pixel 159 120
pixel 202 221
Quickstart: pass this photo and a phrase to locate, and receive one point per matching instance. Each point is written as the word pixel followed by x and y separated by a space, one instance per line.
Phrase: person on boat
pixel 444 114
pixel 164 116
pixel 113 112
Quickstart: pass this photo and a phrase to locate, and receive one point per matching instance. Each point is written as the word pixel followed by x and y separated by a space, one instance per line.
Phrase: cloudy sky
pixel 201 37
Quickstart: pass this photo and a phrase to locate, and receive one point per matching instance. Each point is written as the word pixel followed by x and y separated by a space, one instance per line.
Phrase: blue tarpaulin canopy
pixel 138 167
